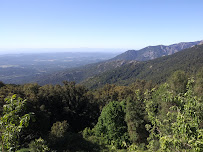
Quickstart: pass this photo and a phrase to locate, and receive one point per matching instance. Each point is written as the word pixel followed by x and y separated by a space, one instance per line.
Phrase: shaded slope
pixel 79 74
pixel 158 70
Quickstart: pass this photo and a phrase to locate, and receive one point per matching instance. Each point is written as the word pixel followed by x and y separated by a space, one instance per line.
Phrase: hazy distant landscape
pixel 22 68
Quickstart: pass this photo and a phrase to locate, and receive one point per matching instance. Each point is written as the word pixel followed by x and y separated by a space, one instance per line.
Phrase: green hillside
pixel 158 70
pixel 79 74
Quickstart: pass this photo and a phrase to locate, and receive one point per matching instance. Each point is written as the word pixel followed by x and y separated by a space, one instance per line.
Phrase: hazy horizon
pixel 4 51
pixel 99 24
pixel 59 50
pixel 77 50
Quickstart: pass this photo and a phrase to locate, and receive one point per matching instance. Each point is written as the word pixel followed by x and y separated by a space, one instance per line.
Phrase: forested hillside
pixel 138 117
pixel 157 70
pixel 81 73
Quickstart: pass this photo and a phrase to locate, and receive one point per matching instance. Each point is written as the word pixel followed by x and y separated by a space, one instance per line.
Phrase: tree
pixel 1 84
pixel 68 102
pixel 13 122
pixel 112 126
pixel 59 129
pixel 136 119
pixel 178 81
pixel 38 145
pixel 199 83
pixel 59 135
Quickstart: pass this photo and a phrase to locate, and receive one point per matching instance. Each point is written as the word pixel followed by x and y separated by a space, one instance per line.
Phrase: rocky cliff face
pixel 201 42
pixel 152 52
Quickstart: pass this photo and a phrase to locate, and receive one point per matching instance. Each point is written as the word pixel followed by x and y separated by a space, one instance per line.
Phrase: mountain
pixel 152 52
pixel 158 70
pixel 81 73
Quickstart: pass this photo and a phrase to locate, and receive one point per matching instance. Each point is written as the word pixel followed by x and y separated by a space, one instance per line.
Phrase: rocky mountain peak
pixel 152 52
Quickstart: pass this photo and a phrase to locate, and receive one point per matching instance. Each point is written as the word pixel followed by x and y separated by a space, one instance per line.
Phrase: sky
pixel 121 24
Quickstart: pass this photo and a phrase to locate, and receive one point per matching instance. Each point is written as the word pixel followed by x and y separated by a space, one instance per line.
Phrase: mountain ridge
pixel 152 52
pixel 158 70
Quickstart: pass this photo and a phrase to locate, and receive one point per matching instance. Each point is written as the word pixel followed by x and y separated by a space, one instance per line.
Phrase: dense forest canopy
pixel 139 117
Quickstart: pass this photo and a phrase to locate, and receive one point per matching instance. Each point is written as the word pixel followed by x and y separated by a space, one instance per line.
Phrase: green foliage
pixel 59 135
pixel 24 150
pixel 136 119
pixel 165 118
pixel 199 83
pixel 38 145
pixel 87 132
pixel 110 93
pixel 69 101
pixel 113 92
pixel 13 122
pixel 179 129
pixel 178 81
pixel 59 129
pixel 1 84
pixel 30 91
pixel 112 126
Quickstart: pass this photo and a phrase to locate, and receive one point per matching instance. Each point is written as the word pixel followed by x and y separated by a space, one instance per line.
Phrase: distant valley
pixel 22 68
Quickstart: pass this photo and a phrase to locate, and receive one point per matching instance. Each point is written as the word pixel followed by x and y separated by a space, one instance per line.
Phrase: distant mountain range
pixel 158 70
pixel 152 52
pixel 120 62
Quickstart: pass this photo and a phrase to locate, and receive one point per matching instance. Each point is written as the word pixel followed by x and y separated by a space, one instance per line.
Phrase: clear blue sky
pixel 130 24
